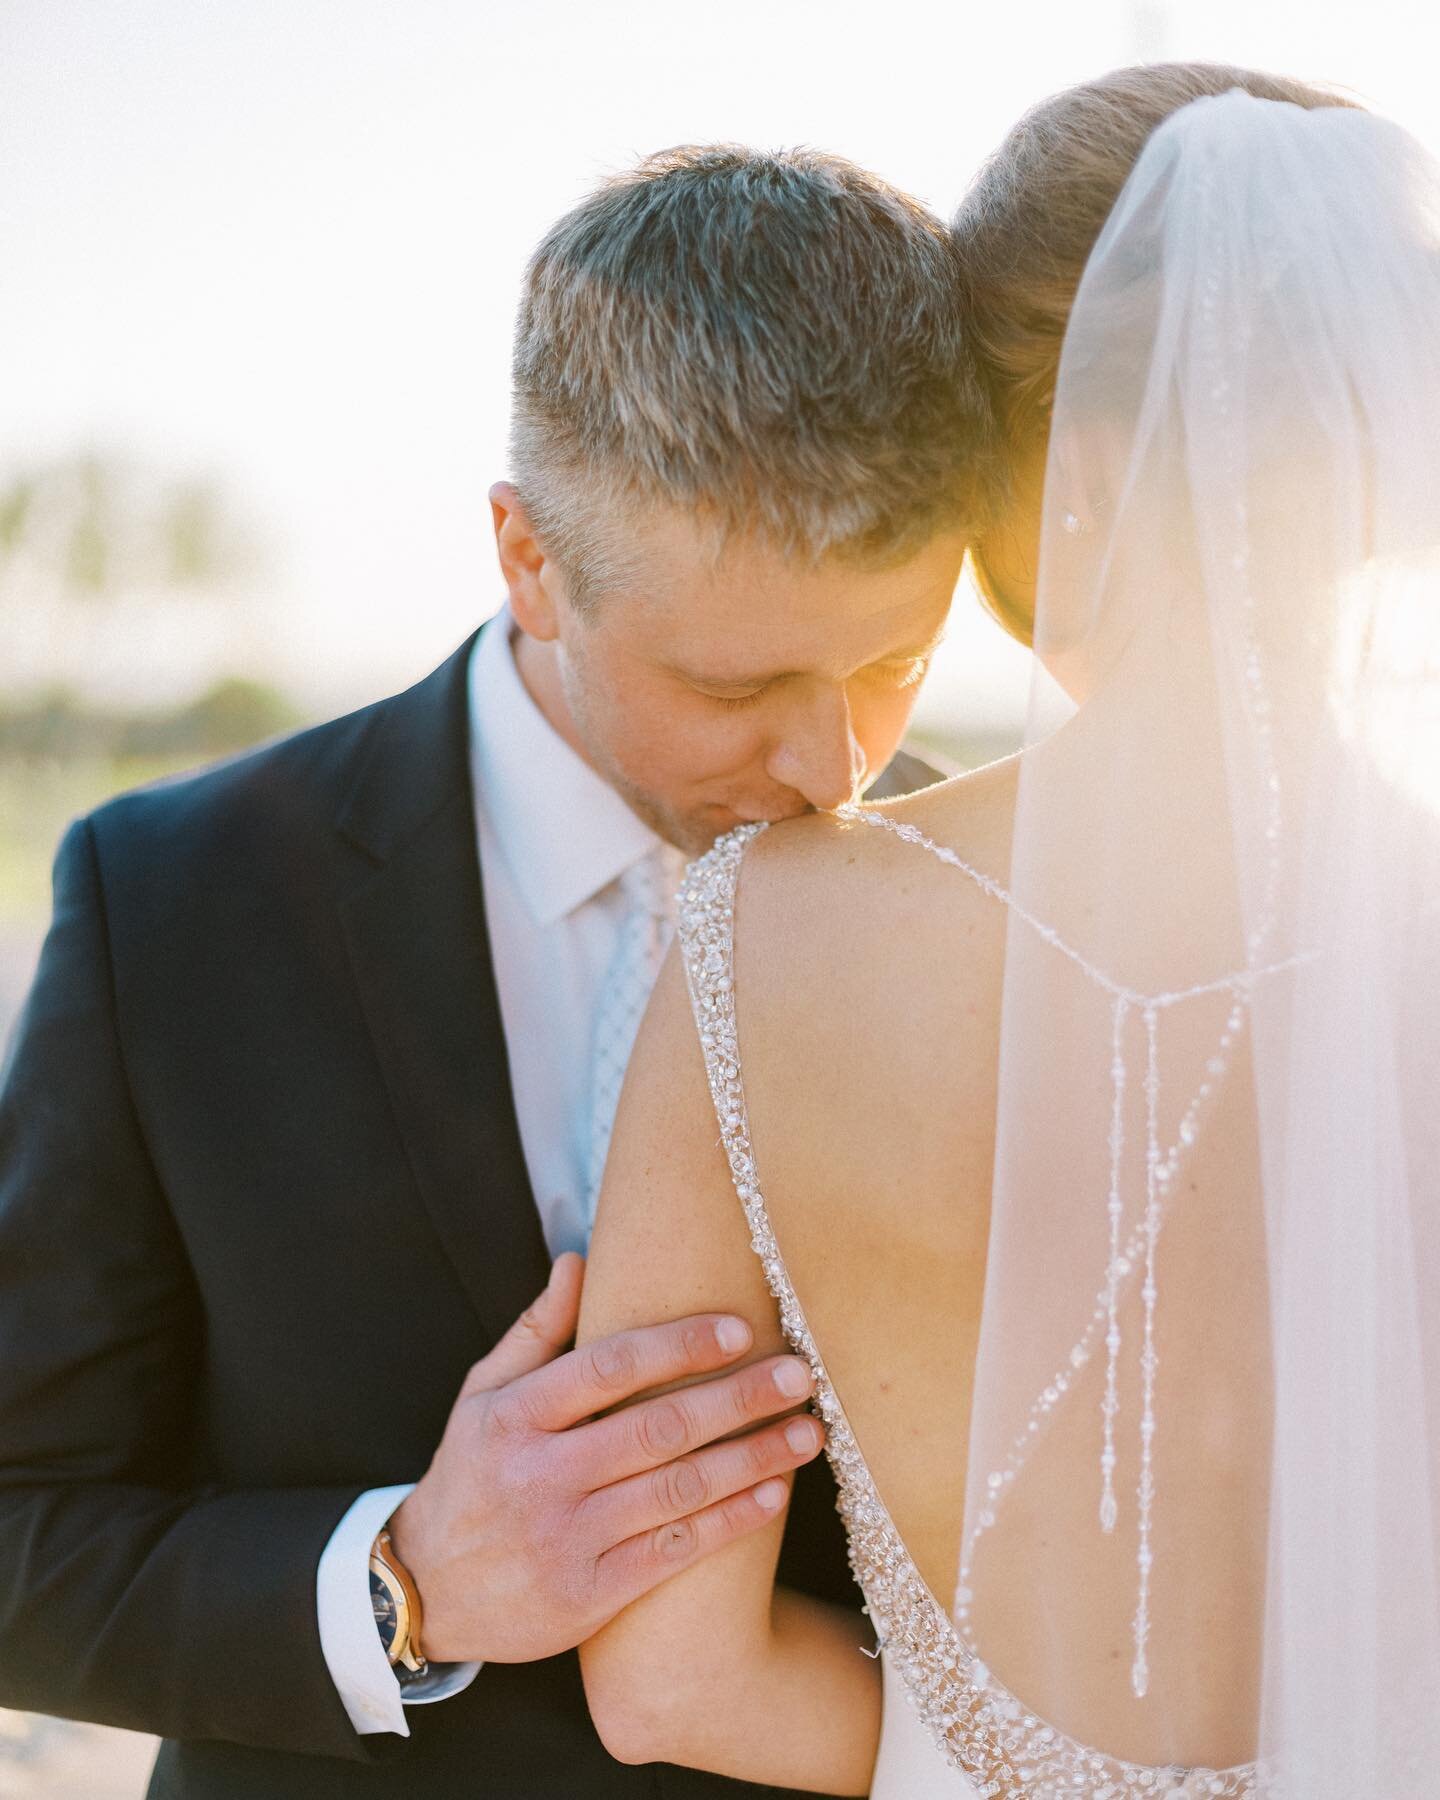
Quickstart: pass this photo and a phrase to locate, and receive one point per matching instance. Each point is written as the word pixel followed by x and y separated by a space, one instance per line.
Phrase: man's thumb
pixel 541 1333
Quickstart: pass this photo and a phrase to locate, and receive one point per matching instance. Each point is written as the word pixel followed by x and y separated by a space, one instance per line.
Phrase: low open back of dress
pixel 950 1727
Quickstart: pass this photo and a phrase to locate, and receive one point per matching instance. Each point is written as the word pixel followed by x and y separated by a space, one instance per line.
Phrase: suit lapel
pixel 414 923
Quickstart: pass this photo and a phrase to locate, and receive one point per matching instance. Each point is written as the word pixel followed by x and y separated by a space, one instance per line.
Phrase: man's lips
pixel 756 815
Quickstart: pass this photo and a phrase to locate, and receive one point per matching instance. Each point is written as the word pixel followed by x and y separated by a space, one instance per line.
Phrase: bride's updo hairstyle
pixel 1024 233
pixel 1030 219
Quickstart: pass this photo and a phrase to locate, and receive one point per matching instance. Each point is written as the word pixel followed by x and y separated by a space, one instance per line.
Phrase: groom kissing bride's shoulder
pixel 1083 1165
pixel 318 1072
pixel 1075 1120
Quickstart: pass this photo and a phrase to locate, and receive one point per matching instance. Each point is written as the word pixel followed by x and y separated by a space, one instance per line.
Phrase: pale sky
pixel 279 241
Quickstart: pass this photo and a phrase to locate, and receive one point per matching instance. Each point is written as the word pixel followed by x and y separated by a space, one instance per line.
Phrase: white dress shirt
pixel 554 841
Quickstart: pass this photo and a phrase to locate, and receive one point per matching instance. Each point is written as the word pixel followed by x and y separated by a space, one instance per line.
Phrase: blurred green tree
pixel 99 530
pixel 62 724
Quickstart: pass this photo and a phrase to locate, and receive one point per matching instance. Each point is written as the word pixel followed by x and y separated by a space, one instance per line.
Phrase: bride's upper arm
pixel 671 1239
pixel 670 1236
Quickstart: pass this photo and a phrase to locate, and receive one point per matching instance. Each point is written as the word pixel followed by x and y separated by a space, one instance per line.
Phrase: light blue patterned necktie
pixel 644 936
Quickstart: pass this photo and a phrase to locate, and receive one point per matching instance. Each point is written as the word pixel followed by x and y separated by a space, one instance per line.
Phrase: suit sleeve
pixel 129 1594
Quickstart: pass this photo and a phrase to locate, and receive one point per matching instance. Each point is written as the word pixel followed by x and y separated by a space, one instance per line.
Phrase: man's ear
pixel 529 577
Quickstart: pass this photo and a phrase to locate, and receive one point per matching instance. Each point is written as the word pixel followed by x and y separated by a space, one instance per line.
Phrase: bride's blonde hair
pixel 1029 221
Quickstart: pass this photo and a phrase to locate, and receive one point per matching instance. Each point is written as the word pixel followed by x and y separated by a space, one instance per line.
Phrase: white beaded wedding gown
pixel 950 1730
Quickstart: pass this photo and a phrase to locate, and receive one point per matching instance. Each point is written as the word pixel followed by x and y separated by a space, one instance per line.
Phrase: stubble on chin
pixel 665 821
pixel 688 835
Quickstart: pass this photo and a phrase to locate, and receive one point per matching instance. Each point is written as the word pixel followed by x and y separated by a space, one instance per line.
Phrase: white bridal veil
pixel 1201 1516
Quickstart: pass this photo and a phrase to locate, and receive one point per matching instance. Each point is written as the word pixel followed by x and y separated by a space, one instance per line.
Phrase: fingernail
pixel 770 1495
pixel 732 1335
pixel 792 1377
pixel 802 1435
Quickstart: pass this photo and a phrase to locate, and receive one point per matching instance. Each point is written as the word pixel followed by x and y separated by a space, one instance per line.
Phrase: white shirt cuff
pixel 359 1667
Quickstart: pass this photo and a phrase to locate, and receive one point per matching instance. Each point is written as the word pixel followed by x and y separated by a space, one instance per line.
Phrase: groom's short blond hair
pixel 773 342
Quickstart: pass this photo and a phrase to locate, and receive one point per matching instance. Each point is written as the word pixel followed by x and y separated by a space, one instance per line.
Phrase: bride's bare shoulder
pixel 867 984
pixel 844 910
pixel 861 870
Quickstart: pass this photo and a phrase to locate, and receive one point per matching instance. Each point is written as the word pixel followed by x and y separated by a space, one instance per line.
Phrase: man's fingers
pixel 613 1369
pixel 653 1432
pixel 643 1562
pixel 692 1483
pixel 538 1336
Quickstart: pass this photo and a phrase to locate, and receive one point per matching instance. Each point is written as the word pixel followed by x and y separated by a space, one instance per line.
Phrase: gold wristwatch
pixel 396 1603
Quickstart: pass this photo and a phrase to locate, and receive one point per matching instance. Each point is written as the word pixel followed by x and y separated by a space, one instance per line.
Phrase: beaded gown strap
pixel 978 1726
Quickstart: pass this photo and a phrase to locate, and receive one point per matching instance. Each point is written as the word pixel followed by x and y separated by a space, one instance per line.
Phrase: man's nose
pixel 819 755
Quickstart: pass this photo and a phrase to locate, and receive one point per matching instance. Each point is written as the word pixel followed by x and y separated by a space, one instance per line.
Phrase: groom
pixel 321 1060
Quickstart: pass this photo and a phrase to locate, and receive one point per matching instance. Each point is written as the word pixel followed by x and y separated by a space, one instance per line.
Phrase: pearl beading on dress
pixel 1005 1751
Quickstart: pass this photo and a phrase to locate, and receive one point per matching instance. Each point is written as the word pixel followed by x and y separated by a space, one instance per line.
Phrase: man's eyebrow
pixel 760 678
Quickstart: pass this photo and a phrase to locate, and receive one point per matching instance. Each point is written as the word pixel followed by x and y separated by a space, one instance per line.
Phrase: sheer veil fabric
pixel 1202 1487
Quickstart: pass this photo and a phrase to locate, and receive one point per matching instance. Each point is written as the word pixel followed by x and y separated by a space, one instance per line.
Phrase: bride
pixel 1088 1138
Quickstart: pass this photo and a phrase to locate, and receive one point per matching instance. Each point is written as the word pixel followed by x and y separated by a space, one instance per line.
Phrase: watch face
pixel 387 1614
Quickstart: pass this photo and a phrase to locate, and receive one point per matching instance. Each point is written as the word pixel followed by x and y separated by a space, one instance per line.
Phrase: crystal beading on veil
pixel 1220 1030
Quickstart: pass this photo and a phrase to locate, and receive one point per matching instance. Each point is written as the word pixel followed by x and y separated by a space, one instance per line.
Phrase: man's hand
pixel 537 1521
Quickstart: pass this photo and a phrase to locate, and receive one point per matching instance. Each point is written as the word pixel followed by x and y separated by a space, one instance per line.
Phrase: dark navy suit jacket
pixel 262 1204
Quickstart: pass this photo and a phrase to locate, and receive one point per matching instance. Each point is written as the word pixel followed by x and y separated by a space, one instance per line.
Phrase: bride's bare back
pixel 867 996
pixel 868 979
